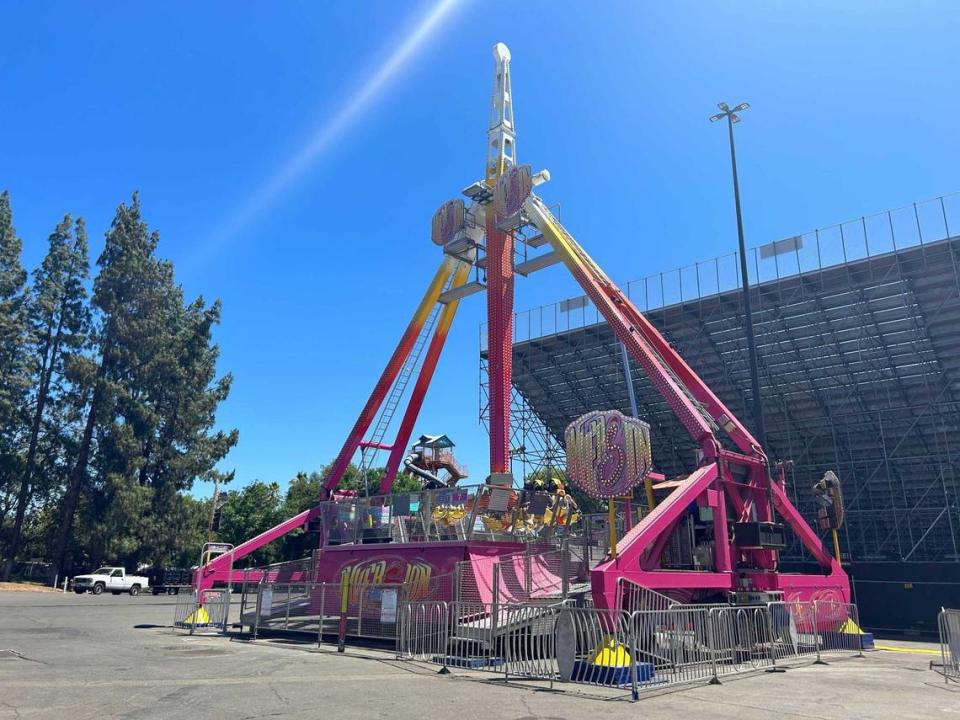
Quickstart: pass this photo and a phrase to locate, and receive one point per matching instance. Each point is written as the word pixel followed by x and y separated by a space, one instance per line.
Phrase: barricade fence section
pixel 948 622
pixel 356 610
pixel 306 608
pixel 208 610
pixel 185 607
pixel 424 630
pixel 678 645
pixel 640 650
pixel 793 633
pixel 741 639
pixel 529 641
pixel 594 647
pixel 838 628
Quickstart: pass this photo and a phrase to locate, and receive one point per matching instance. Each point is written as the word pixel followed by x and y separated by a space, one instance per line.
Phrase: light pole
pixel 732 118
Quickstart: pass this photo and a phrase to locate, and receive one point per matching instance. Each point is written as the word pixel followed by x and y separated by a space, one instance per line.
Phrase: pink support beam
pixel 650 530
pixel 663 365
pixel 205 576
pixel 500 281
pixel 697 387
pixel 722 555
pixel 807 536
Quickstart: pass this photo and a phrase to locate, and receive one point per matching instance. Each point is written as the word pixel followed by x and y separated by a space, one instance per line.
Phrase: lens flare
pixel 329 132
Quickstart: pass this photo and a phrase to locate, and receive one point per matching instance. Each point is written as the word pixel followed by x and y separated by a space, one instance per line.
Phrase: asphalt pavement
pixel 81 656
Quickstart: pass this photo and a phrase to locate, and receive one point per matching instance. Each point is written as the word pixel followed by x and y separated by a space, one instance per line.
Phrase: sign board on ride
pixel 266 602
pixel 218 548
pixel 513 187
pixel 447 221
pixel 608 453
pixel 388 606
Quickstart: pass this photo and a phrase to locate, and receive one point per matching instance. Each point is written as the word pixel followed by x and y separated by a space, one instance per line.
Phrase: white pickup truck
pixel 114 579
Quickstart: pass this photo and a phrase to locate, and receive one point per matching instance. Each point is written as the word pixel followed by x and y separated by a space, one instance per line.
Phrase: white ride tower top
pixel 501 137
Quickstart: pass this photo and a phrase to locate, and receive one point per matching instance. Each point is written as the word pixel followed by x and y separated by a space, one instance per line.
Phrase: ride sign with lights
pixel 608 453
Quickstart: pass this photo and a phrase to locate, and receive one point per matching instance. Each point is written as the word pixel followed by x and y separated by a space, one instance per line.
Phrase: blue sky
pixel 292 154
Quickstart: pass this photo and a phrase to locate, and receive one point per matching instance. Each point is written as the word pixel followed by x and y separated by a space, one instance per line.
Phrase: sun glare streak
pixel 334 127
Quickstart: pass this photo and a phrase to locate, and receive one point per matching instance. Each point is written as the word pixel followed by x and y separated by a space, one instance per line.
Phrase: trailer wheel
pixel 171 591
pixel 135 590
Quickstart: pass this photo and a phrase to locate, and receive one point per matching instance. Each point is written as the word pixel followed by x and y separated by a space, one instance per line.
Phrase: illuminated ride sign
pixel 608 453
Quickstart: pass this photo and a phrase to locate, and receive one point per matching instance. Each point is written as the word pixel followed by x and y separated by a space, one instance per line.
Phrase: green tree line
pixel 108 397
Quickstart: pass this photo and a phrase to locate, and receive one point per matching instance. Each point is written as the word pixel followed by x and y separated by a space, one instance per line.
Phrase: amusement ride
pixel 722 525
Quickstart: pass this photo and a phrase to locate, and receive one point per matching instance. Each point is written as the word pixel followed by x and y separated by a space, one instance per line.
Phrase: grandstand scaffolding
pixel 858 332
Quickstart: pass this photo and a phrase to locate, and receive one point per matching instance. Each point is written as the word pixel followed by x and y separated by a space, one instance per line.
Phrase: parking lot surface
pixel 80 656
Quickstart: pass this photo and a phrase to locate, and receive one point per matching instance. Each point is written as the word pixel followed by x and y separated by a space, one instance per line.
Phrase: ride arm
pixel 389 375
pixel 207 574
pixel 460 277
pixel 663 365
pixel 585 273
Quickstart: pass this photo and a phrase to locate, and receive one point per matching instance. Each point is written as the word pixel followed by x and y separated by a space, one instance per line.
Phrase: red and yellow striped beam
pixel 444 322
pixel 389 374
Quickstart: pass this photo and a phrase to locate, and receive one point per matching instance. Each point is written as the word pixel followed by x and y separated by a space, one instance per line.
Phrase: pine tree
pixel 58 317
pixel 182 393
pixel 13 338
pixel 125 296
pixel 151 395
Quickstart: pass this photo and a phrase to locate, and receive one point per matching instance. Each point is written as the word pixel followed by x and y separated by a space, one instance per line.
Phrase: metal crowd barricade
pixel 675 646
pixel 590 643
pixel 376 608
pixel 424 630
pixel 639 651
pixel 948 623
pixel 288 606
pixel 793 632
pixel 207 610
pixel 185 607
pixel 473 632
pixel 516 640
pixel 529 641
pixel 217 605
pixel 372 611
pixel 837 628
pixel 741 639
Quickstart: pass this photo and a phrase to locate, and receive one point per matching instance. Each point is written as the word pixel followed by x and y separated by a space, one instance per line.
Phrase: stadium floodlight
pixel 732 119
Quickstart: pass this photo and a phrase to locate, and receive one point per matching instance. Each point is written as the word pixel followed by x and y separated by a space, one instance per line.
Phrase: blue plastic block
pixel 584 671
